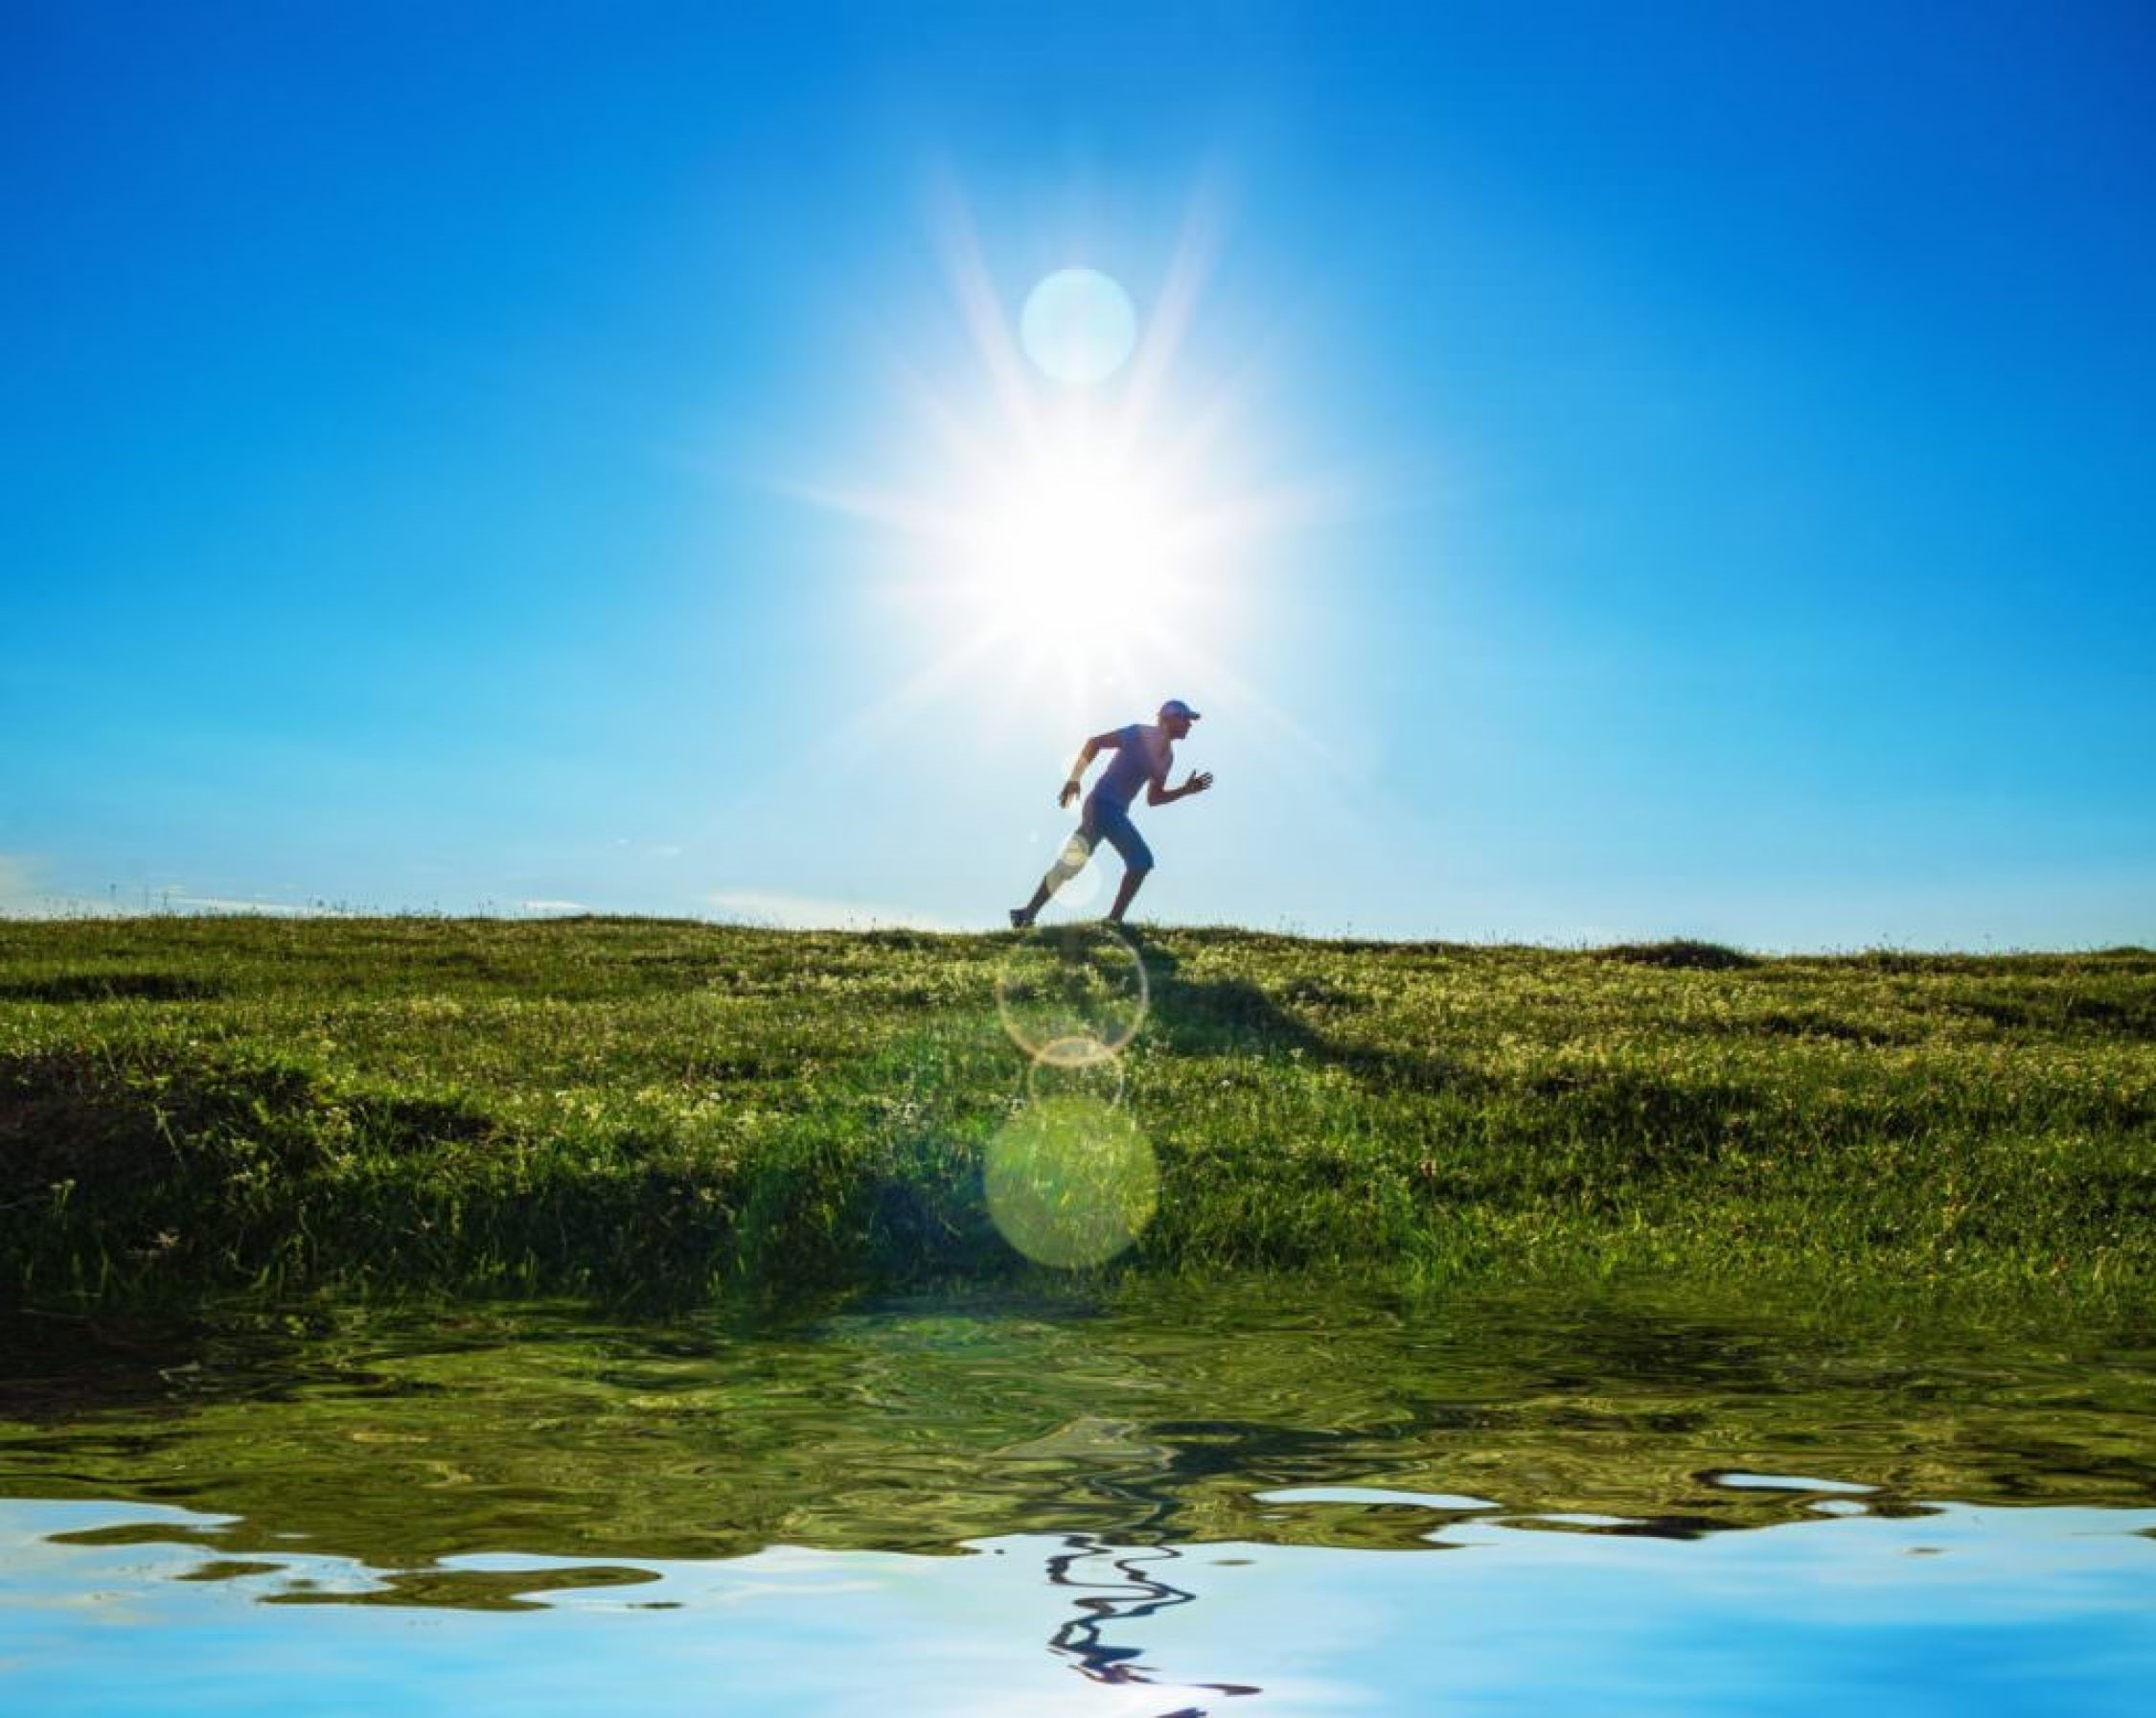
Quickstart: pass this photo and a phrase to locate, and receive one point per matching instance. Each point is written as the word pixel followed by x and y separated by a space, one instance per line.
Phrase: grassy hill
pixel 639 1107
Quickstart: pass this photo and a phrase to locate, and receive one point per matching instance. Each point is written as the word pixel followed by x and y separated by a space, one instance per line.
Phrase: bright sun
pixel 1070 524
pixel 1070 528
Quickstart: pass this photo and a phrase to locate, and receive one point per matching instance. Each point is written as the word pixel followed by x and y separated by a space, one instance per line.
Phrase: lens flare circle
pixel 1070 1182
pixel 1076 1067
pixel 1078 326
pixel 1083 890
pixel 1072 995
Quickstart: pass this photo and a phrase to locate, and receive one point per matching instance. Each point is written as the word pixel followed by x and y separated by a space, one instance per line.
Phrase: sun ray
pixel 1196 248
pixel 965 442
pixel 1208 423
pixel 911 514
pixel 859 734
pixel 986 320
pixel 1266 512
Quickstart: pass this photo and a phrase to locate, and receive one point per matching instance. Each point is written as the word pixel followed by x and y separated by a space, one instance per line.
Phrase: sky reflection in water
pixel 1960 1610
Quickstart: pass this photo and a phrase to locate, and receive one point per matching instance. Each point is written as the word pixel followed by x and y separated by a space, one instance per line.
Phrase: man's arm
pixel 1092 749
pixel 1158 792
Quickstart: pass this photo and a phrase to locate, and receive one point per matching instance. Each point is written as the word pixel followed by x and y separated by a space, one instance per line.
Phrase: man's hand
pixel 1069 792
pixel 1199 782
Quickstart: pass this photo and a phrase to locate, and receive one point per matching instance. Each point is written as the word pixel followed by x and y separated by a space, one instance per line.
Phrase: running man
pixel 1143 754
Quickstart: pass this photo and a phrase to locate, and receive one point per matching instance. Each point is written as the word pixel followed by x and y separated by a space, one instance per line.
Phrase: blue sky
pixel 1679 472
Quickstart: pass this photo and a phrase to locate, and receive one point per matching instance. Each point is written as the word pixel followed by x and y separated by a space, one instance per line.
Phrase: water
pixel 1256 1498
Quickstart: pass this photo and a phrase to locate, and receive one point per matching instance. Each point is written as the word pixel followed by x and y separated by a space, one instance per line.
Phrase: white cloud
pixel 553 907
pixel 809 913
pixel 24 894
pixel 227 904
pixel 15 881
pixel 18 886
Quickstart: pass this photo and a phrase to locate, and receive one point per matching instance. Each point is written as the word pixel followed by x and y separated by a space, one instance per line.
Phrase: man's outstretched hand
pixel 1199 782
pixel 1069 792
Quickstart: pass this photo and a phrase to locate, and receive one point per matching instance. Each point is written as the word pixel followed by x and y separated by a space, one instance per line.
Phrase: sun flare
pixel 1071 528
pixel 1084 524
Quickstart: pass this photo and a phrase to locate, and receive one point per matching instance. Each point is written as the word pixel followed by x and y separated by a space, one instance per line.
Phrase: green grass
pixel 639 1108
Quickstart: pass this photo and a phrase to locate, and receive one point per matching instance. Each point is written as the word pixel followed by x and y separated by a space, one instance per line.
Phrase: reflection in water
pixel 1134 1595
pixel 1214 1414
pixel 127 1609
pixel 603 1516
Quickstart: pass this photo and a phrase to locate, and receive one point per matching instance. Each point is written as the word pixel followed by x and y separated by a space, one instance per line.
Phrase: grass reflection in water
pixel 1262 1412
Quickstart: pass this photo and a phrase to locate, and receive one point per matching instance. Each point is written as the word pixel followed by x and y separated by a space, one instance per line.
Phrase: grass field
pixel 193 1106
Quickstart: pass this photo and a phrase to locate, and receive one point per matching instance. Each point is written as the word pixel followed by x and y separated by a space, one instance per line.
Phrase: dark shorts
pixel 1105 821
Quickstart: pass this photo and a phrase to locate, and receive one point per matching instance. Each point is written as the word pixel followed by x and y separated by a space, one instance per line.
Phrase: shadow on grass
pixel 1232 1017
pixel 110 987
pixel 1680 954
